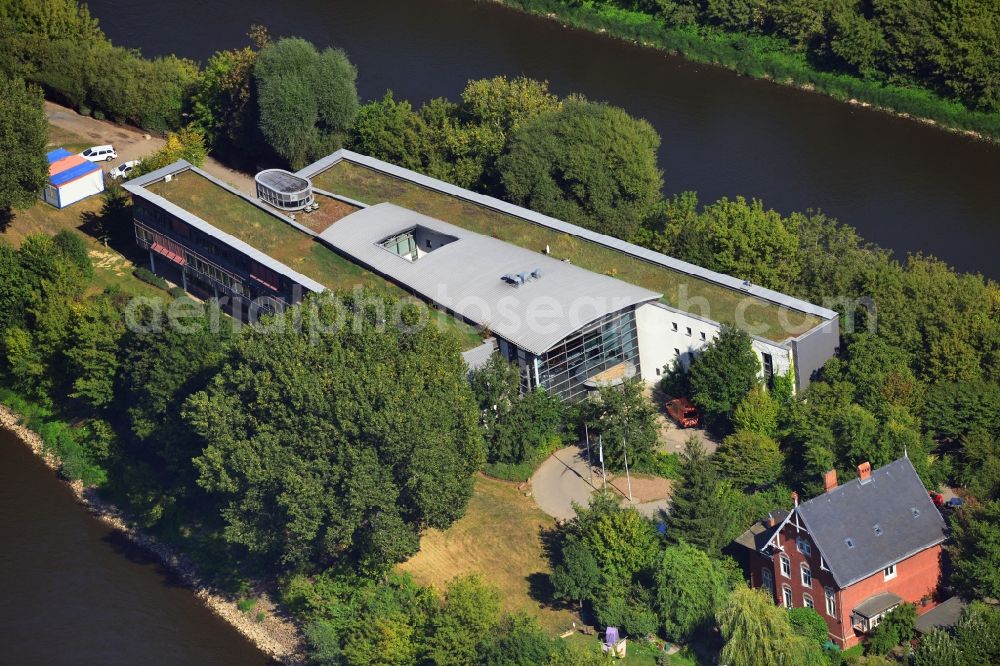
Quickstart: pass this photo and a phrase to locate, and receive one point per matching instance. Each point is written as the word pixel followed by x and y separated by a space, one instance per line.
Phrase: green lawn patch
pixel 679 290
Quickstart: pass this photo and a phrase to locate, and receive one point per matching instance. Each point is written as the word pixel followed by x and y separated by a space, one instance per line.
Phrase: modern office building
pixel 575 309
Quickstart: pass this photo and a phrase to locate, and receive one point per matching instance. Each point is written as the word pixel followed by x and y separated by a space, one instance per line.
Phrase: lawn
pixel 678 289
pixel 272 235
pixel 500 538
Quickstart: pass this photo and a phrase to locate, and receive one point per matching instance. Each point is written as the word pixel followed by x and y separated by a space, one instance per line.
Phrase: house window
pixel 767 579
pixel 807 577
pixel 674 324
pixel 889 572
pixel 688 331
pixel 807 601
pixel 703 337
pixel 786 567
pixel 787 594
pixel 768 366
pixel 802 545
pixel 677 352
pixel 831 602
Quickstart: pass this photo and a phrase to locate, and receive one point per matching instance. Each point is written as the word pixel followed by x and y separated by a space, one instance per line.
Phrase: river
pixel 904 185
pixel 73 591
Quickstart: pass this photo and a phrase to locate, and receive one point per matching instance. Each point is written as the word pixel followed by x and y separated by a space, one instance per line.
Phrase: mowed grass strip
pixel 679 290
pixel 500 537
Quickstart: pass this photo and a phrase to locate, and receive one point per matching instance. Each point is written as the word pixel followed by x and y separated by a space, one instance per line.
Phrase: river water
pixel 73 591
pixel 904 185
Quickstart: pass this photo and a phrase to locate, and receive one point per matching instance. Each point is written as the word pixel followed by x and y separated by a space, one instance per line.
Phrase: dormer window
pixel 849 543
pixel 878 529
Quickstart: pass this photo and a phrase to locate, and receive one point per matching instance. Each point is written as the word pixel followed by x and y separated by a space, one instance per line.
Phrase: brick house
pixel 853 553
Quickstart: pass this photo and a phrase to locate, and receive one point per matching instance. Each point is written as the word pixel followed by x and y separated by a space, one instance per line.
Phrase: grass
pixel 272 235
pixel 636 654
pixel 679 290
pixel 500 538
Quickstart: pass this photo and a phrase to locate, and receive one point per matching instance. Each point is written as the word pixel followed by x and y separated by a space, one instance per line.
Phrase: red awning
pixel 176 258
pixel 264 282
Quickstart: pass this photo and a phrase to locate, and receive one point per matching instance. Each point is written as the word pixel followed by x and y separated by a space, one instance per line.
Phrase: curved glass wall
pixel 283 190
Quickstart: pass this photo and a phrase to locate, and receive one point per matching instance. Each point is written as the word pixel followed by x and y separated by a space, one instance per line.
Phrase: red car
pixel 684 413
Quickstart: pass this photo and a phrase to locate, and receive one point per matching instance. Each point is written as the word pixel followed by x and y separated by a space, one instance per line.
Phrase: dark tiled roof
pixel 757 536
pixel 861 528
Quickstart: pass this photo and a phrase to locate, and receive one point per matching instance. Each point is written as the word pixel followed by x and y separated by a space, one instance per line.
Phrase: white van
pixel 100 153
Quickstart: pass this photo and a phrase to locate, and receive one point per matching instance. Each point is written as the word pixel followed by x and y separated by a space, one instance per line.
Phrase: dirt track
pixel 131 143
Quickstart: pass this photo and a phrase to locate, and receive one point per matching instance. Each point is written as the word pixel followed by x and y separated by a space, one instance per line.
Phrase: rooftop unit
pixel 284 190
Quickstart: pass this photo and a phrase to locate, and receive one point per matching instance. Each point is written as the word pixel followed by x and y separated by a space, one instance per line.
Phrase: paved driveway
pixel 565 478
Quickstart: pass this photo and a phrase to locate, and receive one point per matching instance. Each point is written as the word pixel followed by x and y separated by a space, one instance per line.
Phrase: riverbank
pixel 275 635
pixel 765 58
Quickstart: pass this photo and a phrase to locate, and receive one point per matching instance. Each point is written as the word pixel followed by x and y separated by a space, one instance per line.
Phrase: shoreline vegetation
pixel 275 636
pixel 764 58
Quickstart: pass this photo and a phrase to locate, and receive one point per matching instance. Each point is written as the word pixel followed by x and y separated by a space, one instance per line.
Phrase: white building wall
pixel 665 334
pixel 81 188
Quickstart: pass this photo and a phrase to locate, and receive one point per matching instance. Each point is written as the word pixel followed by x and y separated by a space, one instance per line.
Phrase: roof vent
pixel 537 273
pixel 878 529
pixel 915 511
pixel 849 542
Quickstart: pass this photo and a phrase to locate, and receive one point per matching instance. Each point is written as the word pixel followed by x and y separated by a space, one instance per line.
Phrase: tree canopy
pixel 722 375
pixel 23 135
pixel 307 99
pixel 587 163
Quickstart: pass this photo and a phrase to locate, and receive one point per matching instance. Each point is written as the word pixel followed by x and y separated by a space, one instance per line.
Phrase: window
pixel 767 364
pixel 675 326
pixel 889 572
pixel 831 602
pixel 807 577
pixel 787 594
pixel 657 372
pixel 803 546
pixel 807 601
pixel 703 335
pixel 786 567
pixel 677 352
pixel 767 579
pixel 688 330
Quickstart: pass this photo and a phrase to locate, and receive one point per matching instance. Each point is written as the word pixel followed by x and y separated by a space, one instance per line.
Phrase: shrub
pixel 150 277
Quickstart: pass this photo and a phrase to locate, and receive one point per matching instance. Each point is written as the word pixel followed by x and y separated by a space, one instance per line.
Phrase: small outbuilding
pixel 71 178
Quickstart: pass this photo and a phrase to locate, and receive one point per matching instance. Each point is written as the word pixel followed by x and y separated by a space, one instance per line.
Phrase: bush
pixel 150 277
pixel 177 292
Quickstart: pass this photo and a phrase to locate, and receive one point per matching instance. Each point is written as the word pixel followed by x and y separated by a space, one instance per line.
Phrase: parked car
pixel 100 153
pixel 684 413
pixel 123 170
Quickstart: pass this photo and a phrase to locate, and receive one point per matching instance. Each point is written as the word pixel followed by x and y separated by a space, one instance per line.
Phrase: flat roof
pixel 685 286
pixel 465 276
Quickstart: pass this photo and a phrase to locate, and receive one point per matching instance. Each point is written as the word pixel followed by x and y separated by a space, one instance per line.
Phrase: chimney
pixel 771 520
pixel 795 498
pixel 865 471
pixel 829 480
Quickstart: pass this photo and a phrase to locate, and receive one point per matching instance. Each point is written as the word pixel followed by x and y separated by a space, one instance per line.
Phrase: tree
pixel 306 98
pixel 697 514
pixel 897 626
pixel 758 633
pixel 976 549
pixel 222 104
pixel 23 135
pixel 622 416
pixel 722 375
pixel 806 622
pixel 514 426
pixel 185 144
pixel 978 634
pixel 588 163
pixel 576 576
pixel 93 353
pixel 689 589
pixel 329 443
pixel 749 459
pixel 392 131
pixel 757 412
pixel 937 648
pixel 517 640
pixel 470 611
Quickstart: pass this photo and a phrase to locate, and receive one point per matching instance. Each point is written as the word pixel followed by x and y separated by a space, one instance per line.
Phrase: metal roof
pixel 465 277
pixel 572 229
pixel 137 187
pixel 65 167
pixel 861 528
pixel 280 180
pixel 878 603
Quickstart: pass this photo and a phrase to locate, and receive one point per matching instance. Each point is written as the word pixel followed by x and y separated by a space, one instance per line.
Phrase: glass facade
pixel 566 369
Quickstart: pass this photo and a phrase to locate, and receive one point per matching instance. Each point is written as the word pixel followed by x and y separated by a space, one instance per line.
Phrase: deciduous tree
pixel 722 375
pixel 23 135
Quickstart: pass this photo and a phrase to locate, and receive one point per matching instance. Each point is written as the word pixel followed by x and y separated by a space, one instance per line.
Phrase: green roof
pixel 278 239
pixel 680 290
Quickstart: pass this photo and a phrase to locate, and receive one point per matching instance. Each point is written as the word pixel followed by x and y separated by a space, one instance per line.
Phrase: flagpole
pixel 627 477
pixel 604 474
pixel 590 464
